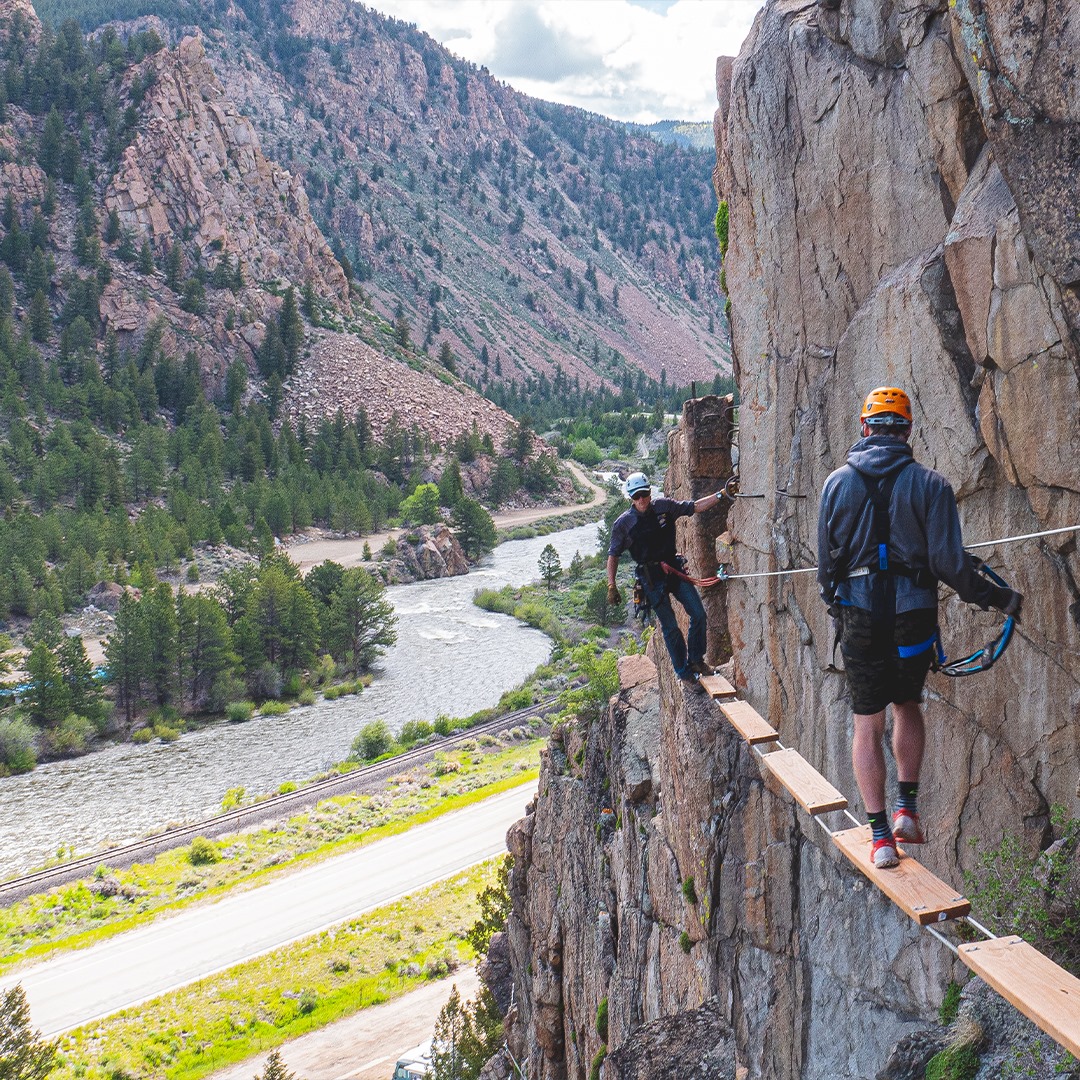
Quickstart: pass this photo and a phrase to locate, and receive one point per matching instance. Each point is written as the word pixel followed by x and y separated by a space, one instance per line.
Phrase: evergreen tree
pixel 550 565
pixel 40 318
pixel 124 656
pixel 46 698
pixel 23 1053
pixel 158 612
pixel 51 146
pixel 146 258
pixel 360 621
pixel 291 328
pixel 474 528
pixel 275 1068
pixel 206 657
pixel 310 303
pixel 451 490
pixel 86 693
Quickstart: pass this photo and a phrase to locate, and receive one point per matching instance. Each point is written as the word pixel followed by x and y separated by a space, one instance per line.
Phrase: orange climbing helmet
pixel 886 405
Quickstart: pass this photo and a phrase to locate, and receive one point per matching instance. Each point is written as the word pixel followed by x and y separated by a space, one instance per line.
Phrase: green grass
pixel 79 915
pixel 257 1005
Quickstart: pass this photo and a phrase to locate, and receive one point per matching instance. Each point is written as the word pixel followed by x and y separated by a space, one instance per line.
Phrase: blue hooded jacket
pixel 924 530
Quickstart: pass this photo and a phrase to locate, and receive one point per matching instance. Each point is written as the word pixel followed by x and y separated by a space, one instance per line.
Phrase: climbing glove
pixel 613 596
pixel 1008 601
pixel 1015 603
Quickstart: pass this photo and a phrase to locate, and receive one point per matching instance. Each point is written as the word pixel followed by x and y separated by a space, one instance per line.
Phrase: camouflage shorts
pixel 877 680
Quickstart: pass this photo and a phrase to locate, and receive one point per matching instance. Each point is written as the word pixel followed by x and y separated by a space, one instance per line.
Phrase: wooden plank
pixel 716 686
pixel 811 790
pixel 1046 994
pixel 910 886
pixel 751 725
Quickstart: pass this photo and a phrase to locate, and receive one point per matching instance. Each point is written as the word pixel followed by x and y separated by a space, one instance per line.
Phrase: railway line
pixel 364 780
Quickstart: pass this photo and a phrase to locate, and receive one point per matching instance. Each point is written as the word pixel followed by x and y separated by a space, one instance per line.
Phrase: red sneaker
pixel 883 853
pixel 907 827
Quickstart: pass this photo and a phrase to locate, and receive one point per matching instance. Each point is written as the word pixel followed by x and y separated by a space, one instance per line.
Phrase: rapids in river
pixel 450 658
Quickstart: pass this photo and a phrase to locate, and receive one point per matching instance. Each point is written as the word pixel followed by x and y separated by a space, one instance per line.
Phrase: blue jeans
pixel 681 652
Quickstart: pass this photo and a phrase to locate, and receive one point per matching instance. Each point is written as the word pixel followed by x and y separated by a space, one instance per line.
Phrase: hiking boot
pixel 907 827
pixel 689 675
pixel 701 667
pixel 883 853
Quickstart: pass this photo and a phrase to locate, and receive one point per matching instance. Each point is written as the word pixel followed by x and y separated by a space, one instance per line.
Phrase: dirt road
pixel 307 553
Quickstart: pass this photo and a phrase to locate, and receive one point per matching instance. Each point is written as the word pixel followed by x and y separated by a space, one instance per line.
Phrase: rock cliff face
pixel 196 168
pixel 889 224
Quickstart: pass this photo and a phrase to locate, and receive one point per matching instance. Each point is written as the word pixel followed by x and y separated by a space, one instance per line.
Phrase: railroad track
pixel 359 781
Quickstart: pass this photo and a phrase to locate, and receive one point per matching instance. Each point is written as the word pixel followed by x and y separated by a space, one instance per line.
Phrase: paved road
pixel 366 1045
pixel 77 987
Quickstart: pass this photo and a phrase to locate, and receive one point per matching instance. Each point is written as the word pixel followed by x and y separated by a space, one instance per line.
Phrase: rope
pixel 723 575
pixel 701 583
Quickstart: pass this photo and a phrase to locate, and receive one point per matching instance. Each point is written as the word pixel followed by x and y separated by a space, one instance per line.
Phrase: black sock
pixel 909 796
pixel 879 825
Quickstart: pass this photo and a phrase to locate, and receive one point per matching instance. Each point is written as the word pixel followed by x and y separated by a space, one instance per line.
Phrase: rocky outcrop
pixel 428 551
pixel 881 161
pixel 196 170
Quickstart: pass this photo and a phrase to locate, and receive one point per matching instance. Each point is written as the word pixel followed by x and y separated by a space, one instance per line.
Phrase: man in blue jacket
pixel 647 530
pixel 888 531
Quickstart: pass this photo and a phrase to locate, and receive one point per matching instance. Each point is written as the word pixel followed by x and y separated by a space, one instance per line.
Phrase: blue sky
pixel 636 60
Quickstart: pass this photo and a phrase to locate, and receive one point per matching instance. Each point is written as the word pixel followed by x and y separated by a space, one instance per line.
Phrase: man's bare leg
pixel 909 740
pixel 868 759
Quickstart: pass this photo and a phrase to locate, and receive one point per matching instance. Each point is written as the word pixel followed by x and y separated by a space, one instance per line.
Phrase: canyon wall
pixel 902 182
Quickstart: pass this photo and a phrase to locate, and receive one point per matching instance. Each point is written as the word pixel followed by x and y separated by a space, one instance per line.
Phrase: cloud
pixel 637 60
pixel 527 47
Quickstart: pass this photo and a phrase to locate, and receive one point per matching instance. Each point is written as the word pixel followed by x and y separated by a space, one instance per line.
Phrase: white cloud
pixel 640 60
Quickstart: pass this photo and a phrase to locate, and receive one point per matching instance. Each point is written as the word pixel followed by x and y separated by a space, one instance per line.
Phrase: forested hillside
pixel 226 315
pixel 528 237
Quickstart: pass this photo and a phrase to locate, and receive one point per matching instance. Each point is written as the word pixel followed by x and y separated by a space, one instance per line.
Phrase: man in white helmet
pixel 647 531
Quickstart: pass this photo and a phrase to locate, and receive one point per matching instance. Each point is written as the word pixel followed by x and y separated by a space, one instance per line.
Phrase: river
pixel 451 657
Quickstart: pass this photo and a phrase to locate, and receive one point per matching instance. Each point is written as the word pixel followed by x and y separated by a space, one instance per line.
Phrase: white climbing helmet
pixel 636 484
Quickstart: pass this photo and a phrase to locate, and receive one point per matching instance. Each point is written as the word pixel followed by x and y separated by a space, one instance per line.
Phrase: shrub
pixel 414 731
pixel 266 682
pixel 597 1061
pixel 685 943
pixel 373 741
pixel 73 734
pixel 203 852
pixel 232 798
pixel 238 711
pixel 143 735
pixel 285 788
pixel 689 891
pixel 274 708
pixel 1033 894
pixel 443 724
pixel 17 745
pixel 953 1063
pixel 601 1019
pixel 193 573
pixel 308 1001
pixel 950 1004
pixel 306 696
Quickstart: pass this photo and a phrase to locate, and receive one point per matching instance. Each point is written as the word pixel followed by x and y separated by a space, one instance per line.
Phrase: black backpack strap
pixel 883 575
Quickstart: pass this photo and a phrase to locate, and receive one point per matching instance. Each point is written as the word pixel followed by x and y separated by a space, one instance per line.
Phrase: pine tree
pixel 40 318
pixel 275 1069
pixel 360 624
pixel 146 258
pixel 23 1054
pixel 291 328
pixel 550 565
